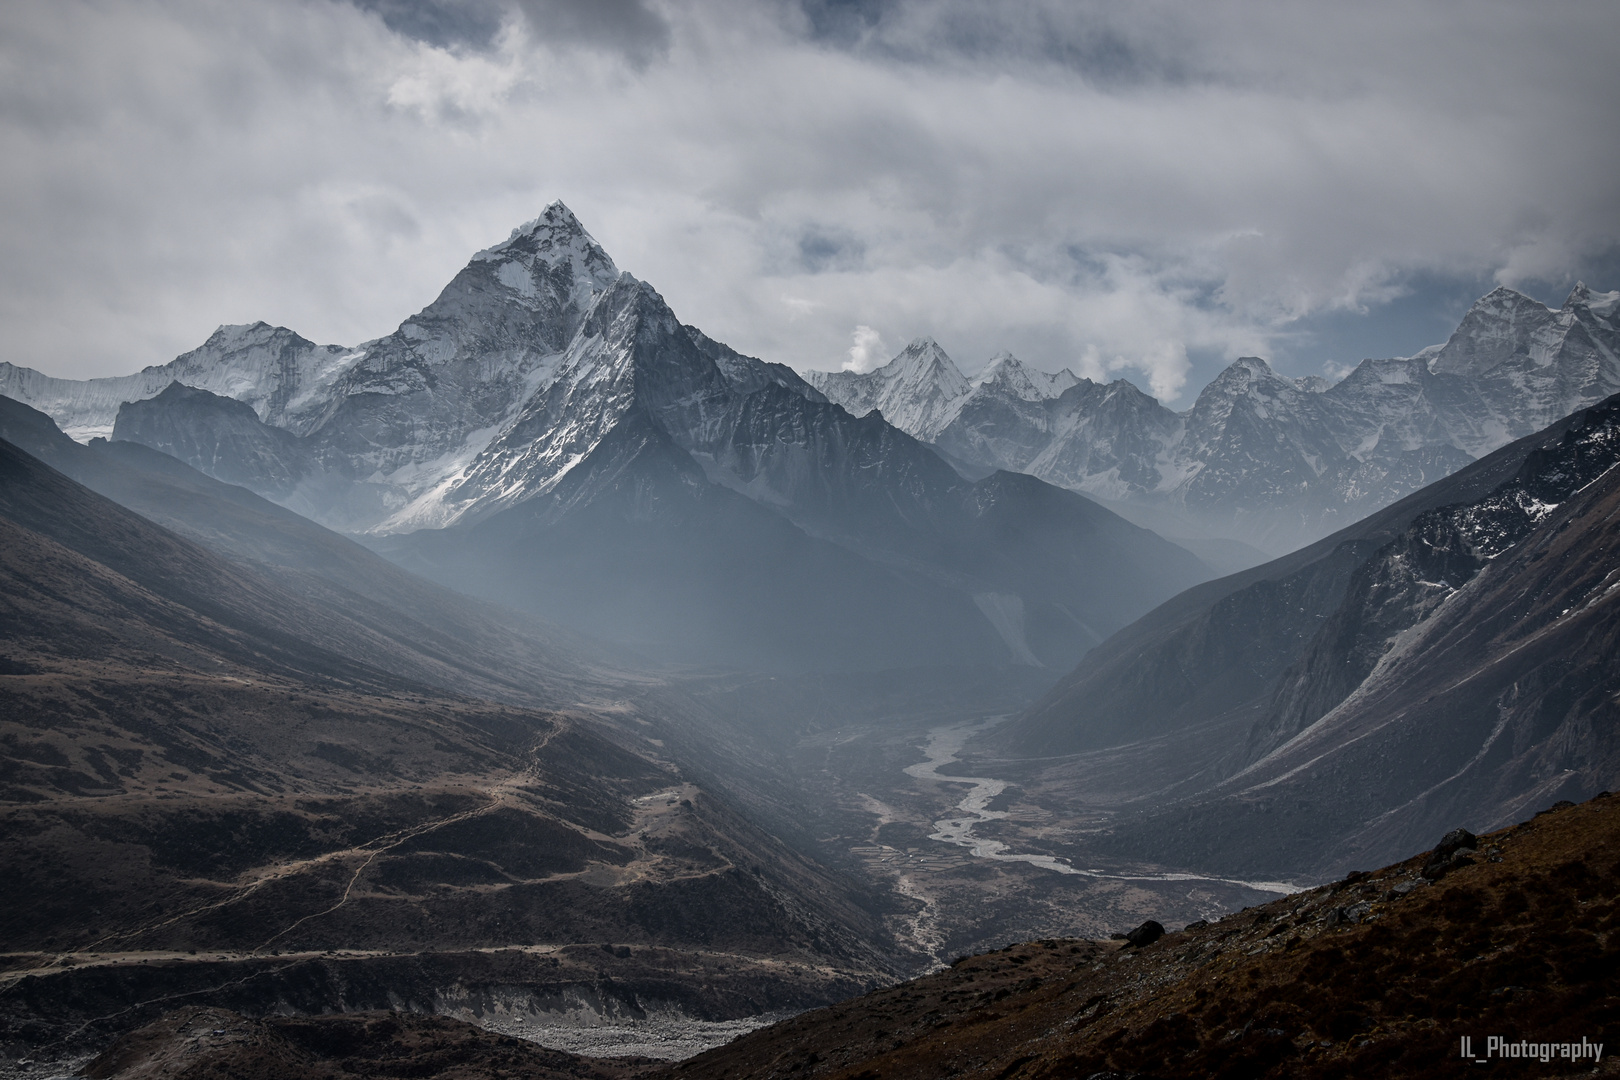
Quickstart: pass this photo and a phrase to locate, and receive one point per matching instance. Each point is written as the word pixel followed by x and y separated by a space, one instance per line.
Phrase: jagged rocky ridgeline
pixel 546 433
pixel 1260 457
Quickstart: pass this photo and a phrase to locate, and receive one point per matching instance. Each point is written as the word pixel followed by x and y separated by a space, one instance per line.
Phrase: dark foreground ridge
pixel 1511 934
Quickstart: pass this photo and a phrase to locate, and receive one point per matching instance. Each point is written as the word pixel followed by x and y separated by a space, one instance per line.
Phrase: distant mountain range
pixel 546 433
pixel 1269 460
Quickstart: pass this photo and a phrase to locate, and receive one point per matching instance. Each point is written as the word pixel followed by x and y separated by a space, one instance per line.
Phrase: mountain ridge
pixel 1259 456
pixel 520 373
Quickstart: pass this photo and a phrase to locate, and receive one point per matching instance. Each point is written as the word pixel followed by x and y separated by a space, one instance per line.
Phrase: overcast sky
pixel 1135 189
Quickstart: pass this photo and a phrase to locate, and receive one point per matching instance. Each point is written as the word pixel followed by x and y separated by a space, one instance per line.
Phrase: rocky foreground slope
pixel 1512 935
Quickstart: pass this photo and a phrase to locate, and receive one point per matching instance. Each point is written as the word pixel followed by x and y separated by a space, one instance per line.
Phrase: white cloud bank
pixel 1105 187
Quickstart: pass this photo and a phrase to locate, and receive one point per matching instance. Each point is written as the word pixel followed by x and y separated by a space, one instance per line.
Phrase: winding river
pixel 942 747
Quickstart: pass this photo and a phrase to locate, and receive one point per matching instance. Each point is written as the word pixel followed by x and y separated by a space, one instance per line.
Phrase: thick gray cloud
pixel 627 27
pixel 1143 189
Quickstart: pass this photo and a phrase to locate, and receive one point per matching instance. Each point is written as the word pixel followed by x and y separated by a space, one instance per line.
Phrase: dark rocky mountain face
pixel 1215 652
pixel 636 545
pixel 1440 553
pixel 365 606
pixel 220 436
pixel 1469 673
pixel 1274 461
pixel 1452 659
pixel 548 434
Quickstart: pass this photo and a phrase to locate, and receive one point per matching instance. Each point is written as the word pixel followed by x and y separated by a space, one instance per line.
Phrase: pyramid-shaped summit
pixel 558 241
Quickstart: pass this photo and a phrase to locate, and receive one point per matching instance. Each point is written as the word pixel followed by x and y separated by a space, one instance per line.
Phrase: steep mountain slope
pixel 226 612
pixel 1458 671
pixel 1268 459
pixel 204 781
pixel 220 436
pixel 919 391
pixel 636 546
pixel 1215 652
pixel 549 434
pixel 1470 673
pixel 411 627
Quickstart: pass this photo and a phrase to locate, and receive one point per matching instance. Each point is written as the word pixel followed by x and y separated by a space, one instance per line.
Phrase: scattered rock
pixel 1401 890
pixel 1355 912
pixel 1197 924
pixel 1453 851
pixel 1146 934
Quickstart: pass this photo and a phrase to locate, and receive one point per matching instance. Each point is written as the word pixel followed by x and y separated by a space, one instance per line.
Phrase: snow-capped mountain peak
pixel 550 266
pixel 1247 377
pixel 1246 370
pixel 1539 352
pixel 281 374
pixel 1007 374
pixel 1603 305
pixel 925 366
pixel 919 391
pixel 552 250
